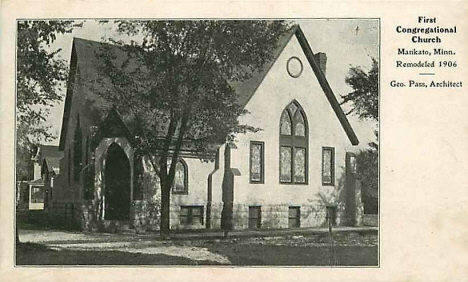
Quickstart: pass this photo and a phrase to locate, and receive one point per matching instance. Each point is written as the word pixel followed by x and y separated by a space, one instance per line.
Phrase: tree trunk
pixel 164 226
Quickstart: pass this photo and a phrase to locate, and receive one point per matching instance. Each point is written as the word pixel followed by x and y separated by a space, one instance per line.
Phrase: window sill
pixel 292 183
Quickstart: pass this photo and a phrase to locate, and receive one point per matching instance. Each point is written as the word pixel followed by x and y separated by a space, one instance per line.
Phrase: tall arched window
pixel 180 184
pixel 77 150
pixel 293 145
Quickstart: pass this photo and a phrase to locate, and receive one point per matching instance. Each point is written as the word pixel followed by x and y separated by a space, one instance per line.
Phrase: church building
pixel 288 175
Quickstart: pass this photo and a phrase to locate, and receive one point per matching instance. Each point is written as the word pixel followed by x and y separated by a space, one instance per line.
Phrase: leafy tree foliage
pixel 365 95
pixel 40 74
pixel 368 173
pixel 365 104
pixel 175 86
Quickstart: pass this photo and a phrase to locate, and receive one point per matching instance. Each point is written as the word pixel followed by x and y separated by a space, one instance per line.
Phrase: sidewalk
pixel 267 232
pixel 57 237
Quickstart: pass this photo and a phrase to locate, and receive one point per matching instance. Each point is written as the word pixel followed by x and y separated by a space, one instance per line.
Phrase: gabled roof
pixel 53 165
pixel 84 58
pixel 51 156
pixel 48 151
pixel 326 87
pixel 246 89
pixel 113 126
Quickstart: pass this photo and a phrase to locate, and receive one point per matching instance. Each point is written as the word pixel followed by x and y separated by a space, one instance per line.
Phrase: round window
pixel 294 67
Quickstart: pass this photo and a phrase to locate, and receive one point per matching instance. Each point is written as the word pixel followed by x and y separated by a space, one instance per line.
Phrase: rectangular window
pixel 191 215
pixel 257 161
pixel 37 194
pixel 69 165
pixel 255 217
pixel 285 164
pixel 184 215
pixel 328 166
pixel 87 151
pixel 294 218
pixel 299 165
pixel 352 162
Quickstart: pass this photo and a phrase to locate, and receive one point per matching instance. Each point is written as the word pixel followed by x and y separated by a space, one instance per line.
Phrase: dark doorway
pixel 117 184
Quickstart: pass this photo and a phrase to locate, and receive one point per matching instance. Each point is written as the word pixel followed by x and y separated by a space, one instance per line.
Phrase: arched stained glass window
pixel 285 124
pixel 256 162
pixel 77 151
pixel 299 129
pixel 299 165
pixel 180 184
pixel 293 145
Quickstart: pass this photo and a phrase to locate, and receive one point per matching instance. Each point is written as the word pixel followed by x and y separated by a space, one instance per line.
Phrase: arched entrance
pixel 117 184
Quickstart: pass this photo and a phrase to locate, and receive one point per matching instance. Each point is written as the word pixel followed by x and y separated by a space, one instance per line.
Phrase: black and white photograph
pixel 197 142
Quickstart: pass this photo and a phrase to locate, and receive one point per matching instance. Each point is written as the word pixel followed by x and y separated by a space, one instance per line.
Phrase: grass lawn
pixel 351 249
pixel 238 254
pixel 244 255
pixel 36 254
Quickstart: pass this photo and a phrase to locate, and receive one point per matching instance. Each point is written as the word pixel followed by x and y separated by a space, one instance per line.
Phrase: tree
pixel 365 95
pixel 174 90
pixel 365 104
pixel 39 77
pixel 368 171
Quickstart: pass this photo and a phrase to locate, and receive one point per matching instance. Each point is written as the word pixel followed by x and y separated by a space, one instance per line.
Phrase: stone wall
pixel 276 216
pixel 146 215
pixel 370 220
pixel 66 215
pixel 216 209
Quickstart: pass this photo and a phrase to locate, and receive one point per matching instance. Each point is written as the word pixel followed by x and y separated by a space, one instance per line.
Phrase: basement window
pixel 191 215
pixel 294 218
pixel 255 217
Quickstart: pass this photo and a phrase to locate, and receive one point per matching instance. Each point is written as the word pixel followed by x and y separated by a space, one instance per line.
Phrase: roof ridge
pixel 245 89
pixel 323 81
pixel 267 67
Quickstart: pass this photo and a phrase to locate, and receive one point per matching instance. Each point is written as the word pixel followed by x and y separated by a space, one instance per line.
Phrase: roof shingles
pixel 87 62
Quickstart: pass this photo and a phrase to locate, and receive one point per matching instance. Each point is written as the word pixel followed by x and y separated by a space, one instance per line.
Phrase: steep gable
pixel 314 65
pixel 246 89
pixel 84 69
pixel 86 61
pixel 326 87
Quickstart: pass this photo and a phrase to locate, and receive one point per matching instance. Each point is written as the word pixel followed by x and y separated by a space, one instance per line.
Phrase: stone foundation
pixel 145 216
pixel 216 209
pixel 370 220
pixel 277 216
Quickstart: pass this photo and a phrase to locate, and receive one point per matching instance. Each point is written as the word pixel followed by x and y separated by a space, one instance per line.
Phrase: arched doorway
pixel 117 184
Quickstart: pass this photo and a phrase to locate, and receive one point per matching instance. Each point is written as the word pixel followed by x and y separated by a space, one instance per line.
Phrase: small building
pixel 36 194
pixel 284 176
pixel 46 168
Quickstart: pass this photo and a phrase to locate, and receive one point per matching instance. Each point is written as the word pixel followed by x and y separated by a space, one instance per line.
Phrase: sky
pixel 347 43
